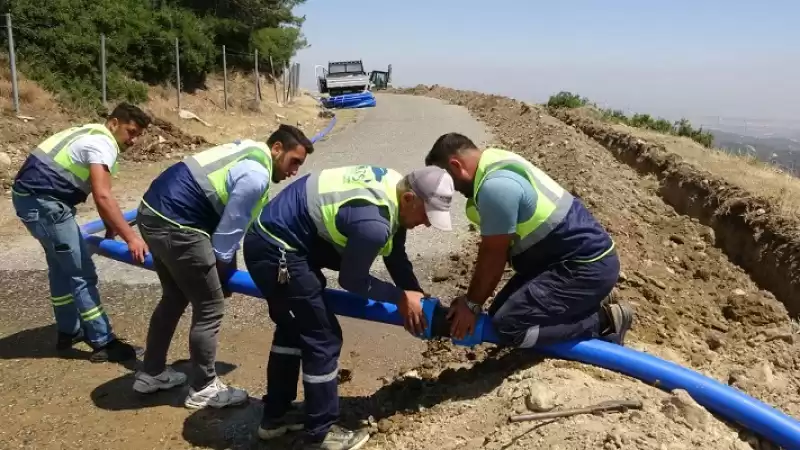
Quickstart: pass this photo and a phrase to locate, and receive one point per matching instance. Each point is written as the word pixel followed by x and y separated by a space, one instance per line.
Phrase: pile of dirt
pixel 163 140
pixel 694 307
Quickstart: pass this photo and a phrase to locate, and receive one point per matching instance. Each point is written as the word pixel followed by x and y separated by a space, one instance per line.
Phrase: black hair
pixel 125 112
pixel 290 137
pixel 446 146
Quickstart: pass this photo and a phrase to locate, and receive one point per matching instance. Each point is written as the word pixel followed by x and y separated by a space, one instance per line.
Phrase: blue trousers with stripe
pixel 71 271
pixel 559 303
pixel 306 333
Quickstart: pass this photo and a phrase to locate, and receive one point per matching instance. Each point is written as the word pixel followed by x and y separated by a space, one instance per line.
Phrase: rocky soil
pixel 694 306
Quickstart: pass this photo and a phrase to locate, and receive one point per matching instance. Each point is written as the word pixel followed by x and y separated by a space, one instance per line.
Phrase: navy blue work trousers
pixel 306 332
pixel 559 303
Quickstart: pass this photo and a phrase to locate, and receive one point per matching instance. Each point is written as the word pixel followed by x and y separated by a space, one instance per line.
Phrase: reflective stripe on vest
pixel 210 169
pixel 54 153
pixel 329 189
pixel 553 201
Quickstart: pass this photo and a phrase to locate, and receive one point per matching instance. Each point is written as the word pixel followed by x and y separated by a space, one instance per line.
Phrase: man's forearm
pixel 110 213
pixel 487 274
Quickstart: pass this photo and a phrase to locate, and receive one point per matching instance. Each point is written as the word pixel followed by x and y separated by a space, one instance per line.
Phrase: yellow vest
pixel 553 201
pixel 329 189
pixel 210 169
pixel 54 152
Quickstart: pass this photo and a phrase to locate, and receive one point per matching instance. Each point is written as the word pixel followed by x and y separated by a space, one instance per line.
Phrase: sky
pixel 712 61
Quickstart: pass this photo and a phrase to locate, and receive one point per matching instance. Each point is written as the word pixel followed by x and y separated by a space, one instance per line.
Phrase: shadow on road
pixel 236 428
pixel 118 394
pixel 37 343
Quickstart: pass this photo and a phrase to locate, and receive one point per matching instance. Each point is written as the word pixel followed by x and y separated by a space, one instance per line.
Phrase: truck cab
pixel 342 77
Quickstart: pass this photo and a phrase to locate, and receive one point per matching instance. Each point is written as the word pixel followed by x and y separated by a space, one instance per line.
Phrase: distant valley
pixel 781 151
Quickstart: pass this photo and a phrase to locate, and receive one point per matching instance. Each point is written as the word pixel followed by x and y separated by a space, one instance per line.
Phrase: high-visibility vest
pixel 210 169
pixel 553 201
pixel 329 189
pixel 54 153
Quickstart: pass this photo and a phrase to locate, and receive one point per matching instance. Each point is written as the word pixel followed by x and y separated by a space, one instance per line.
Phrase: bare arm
pixel 492 254
pixel 107 205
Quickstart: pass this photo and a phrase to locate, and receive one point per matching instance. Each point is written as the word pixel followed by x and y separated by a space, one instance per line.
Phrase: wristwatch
pixel 474 307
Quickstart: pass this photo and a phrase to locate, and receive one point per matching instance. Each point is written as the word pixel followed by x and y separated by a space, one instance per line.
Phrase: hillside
pixel 141 40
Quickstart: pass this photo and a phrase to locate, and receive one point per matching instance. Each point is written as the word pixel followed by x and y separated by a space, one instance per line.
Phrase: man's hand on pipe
pixel 462 319
pixel 410 307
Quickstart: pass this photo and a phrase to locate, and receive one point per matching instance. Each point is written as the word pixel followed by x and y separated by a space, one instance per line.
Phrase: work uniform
pixel 51 182
pixel 192 215
pixel 564 261
pixel 346 214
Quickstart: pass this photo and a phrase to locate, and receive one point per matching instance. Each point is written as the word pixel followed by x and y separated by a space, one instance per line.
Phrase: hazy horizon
pixel 710 62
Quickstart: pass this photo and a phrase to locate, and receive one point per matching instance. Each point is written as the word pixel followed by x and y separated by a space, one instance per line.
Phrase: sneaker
pixel 621 318
pixel 117 350
pixel 216 395
pixel 168 379
pixel 66 341
pixel 339 438
pixel 292 420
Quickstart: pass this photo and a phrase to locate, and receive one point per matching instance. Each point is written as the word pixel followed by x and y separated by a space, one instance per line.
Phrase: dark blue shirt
pixel 366 227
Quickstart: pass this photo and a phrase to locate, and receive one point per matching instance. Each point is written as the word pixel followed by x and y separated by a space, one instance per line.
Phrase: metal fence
pixel 289 79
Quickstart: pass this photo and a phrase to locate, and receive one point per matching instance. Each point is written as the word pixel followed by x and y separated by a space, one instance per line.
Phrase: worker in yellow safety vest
pixel 564 261
pixel 193 217
pixel 59 174
pixel 340 219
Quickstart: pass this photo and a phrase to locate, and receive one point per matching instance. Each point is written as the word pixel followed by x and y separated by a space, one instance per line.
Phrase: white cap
pixel 435 187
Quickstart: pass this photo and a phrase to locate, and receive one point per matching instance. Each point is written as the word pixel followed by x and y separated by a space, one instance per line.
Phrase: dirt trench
pixel 749 229
pixel 694 304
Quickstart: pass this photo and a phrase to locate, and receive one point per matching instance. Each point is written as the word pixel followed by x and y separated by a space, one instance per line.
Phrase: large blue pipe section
pixel 726 401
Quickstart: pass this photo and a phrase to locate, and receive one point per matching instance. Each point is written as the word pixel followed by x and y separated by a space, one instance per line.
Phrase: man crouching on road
pixel 339 219
pixel 59 174
pixel 193 216
pixel 564 261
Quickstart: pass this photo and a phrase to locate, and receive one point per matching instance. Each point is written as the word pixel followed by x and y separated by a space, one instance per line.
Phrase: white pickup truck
pixel 342 77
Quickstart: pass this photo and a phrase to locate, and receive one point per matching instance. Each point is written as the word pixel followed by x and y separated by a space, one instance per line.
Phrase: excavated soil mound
pixel 163 140
pixel 694 306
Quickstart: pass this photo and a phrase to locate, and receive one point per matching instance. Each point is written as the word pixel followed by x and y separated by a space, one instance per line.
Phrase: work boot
pixel 66 341
pixel 339 438
pixel 620 320
pixel 168 379
pixel 216 395
pixel 292 420
pixel 116 350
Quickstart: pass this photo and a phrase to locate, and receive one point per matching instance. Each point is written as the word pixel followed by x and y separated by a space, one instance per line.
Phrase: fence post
pixel 255 72
pixel 274 79
pixel 103 67
pixel 178 73
pixel 13 61
pixel 225 77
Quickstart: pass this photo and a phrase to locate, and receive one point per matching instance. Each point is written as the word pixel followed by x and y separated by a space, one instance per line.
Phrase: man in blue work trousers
pixel 340 219
pixel 193 217
pixel 564 261
pixel 59 174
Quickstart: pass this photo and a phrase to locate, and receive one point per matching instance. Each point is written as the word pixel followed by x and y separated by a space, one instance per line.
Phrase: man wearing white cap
pixel 339 219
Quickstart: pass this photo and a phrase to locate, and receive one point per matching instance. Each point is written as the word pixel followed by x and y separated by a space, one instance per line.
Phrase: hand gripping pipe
pixel 726 401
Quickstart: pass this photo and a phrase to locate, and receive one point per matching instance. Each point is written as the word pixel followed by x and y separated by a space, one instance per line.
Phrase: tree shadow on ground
pixel 236 428
pixel 118 394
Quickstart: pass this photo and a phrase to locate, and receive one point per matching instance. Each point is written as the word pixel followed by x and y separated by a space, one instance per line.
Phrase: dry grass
pixel 758 178
pixel 34 101
pixel 244 118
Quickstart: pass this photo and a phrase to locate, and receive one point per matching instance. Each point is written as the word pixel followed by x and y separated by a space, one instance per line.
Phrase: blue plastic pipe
pixel 722 399
pixel 726 401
